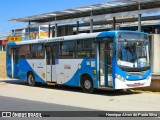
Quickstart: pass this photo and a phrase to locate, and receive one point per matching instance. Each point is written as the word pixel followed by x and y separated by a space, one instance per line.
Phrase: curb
pixel 145 91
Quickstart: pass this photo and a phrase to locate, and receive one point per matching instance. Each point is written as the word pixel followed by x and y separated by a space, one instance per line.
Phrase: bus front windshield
pixel 132 51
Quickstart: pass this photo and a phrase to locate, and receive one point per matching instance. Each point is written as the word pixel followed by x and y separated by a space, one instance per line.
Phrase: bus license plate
pixel 137 84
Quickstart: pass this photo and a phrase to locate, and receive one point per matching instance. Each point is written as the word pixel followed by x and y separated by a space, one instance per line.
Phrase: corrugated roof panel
pixel 84 10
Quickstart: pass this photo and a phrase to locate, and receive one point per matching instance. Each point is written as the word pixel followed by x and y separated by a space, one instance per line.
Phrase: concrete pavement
pixel 101 100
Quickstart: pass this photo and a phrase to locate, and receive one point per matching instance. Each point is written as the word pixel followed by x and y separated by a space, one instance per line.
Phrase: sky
pixel 22 8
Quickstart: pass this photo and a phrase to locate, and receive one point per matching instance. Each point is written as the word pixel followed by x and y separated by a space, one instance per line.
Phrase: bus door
pixel 14 58
pixel 51 65
pixel 105 63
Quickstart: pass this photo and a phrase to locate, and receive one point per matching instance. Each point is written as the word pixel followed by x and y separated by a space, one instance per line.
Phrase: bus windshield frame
pixel 133 51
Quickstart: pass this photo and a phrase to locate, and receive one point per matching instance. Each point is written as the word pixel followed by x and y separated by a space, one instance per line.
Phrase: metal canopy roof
pixel 101 10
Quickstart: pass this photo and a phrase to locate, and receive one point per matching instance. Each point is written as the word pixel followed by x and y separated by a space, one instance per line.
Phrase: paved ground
pixel 16 95
pixel 16 104
pixel 101 100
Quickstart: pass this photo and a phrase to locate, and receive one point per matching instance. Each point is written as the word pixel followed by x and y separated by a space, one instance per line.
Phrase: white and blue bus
pixel 107 60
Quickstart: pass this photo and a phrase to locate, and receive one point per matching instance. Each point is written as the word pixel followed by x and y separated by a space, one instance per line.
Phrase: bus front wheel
pixel 87 84
pixel 31 79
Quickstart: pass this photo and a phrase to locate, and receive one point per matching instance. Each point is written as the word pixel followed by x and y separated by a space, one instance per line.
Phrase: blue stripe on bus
pixel 133 77
pixel 9 68
pixel 107 33
pixel 11 44
pixel 22 70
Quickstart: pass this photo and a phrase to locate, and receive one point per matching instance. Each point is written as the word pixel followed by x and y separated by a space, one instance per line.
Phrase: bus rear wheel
pixel 31 79
pixel 87 84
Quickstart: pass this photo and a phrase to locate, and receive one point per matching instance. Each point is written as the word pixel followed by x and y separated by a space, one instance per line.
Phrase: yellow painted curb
pixel 145 91
pixel 157 92
pixel 148 92
pixel 137 91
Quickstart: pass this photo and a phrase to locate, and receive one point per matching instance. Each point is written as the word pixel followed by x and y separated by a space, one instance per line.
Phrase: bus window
pixel 37 51
pixel 85 49
pixel 67 50
pixel 24 52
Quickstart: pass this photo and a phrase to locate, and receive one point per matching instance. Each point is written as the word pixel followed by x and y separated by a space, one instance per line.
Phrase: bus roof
pixel 72 37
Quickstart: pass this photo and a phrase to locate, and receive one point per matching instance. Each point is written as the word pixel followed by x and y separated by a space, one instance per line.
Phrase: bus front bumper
pixel 119 84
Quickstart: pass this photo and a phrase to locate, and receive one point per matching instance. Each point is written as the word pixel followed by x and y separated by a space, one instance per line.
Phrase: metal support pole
pixel 114 23
pixel 77 27
pixel 56 30
pixel 53 32
pixel 39 32
pixel 29 30
pixel 91 26
pixel 139 18
pixel 49 30
pixel 91 23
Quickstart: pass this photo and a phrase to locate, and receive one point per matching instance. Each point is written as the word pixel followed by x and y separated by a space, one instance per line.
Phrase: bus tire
pixel 31 79
pixel 87 84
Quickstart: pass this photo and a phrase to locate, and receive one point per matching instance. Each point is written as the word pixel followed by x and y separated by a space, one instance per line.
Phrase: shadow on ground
pixel 17 104
pixel 76 89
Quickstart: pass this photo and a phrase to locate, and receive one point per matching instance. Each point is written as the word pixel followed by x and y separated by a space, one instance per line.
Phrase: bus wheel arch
pixel 31 79
pixel 87 83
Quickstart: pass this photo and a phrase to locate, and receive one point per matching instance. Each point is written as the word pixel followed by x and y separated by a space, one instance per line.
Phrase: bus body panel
pixel 72 71
pixel 66 69
pixel 131 80
pixel 87 67
pixel 9 68
pixel 38 67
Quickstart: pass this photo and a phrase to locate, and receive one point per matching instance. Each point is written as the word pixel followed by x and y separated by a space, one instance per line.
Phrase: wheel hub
pixel 30 79
pixel 87 84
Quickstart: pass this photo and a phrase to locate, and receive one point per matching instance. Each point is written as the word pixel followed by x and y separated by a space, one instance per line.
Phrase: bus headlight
pixel 120 77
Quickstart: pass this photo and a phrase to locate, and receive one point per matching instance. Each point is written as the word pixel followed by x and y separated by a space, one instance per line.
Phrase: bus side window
pixel 24 52
pixel 85 49
pixel 77 49
pixel 37 51
pixel 67 50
